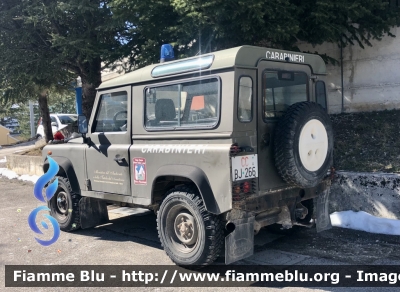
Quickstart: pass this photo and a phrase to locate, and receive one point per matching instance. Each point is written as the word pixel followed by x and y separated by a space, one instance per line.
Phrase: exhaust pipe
pixel 230 226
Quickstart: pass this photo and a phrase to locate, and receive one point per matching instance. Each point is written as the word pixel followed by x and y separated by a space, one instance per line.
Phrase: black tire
pixel 207 236
pixel 286 144
pixel 64 206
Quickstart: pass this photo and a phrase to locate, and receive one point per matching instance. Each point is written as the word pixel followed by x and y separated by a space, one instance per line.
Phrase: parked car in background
pixel 58 122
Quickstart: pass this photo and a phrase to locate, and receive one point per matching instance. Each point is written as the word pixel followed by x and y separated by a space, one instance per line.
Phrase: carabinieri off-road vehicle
pixel 218 145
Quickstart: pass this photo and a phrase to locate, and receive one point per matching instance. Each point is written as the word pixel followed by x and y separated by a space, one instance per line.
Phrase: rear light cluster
pixel 242 189
pixel 235 150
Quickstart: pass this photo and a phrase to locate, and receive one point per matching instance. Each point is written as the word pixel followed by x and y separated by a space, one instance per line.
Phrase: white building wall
pixel 371 76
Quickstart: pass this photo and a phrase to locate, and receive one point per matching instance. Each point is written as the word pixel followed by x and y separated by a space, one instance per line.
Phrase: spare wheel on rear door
pixel 303 144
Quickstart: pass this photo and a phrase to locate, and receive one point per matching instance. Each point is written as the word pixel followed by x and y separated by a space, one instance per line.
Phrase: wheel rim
pixel 181 229
pixel 62 203
pixel 185 228
pixel 313 145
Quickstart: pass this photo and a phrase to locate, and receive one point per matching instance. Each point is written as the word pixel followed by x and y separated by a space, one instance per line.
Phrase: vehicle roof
pixel 244 56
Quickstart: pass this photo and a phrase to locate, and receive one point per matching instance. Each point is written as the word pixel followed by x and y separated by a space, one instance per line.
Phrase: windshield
pixel 65 120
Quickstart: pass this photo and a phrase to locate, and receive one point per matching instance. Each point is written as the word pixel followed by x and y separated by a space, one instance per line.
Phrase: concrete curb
pixel 375 193
pixel 24 164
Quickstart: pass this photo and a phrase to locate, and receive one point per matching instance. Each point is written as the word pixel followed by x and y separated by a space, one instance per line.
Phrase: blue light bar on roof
pixel 167 53
pixel 200 63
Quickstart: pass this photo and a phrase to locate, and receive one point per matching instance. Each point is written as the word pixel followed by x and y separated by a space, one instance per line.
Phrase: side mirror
pixel 82 124
pixel 54 124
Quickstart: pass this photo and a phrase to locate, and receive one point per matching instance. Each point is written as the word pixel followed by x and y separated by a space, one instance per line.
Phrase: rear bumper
pixel 280 197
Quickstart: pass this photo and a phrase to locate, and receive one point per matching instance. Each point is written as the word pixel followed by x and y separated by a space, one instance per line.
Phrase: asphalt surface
pixel 130 238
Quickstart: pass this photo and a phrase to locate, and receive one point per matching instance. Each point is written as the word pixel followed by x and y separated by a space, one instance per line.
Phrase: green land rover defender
pixel 218 145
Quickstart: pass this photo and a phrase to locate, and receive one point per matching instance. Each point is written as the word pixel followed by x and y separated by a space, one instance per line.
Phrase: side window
pixel 53 120
pixel 186 105
pixel 281 90
pixel 245 99
pixel 320 93
pixel 112 114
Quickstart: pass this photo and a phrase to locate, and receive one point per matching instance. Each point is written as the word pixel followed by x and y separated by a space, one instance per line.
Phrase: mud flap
pixel 323 217
pixel 239 244
pixel 92 212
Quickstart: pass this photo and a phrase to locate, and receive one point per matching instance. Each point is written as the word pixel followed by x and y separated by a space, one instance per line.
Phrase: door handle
pixel 266 138
pixel 119 159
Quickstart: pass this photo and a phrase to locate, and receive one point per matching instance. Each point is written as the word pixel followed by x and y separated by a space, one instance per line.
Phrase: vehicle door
pixel 279 86
pixel 107 157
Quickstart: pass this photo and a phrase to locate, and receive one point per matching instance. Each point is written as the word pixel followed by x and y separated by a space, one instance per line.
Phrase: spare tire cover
pixel 303 144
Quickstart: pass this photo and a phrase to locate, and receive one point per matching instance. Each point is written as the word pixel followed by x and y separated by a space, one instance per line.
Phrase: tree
pixel 346 22
pixel 28 68
pixel 149 24
pixel 45 44
pixel 194 26
pixel 83 34
pixel 62 102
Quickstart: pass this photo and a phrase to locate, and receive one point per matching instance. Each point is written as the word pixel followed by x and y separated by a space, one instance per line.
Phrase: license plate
pixel 244 167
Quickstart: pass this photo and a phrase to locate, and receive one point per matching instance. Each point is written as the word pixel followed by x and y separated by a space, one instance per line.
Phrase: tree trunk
pixel 91 79
pixel 44 112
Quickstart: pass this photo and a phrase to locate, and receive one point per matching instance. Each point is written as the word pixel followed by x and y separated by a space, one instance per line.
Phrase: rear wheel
pixel 189 234
pixel 64 206
pixel 303 144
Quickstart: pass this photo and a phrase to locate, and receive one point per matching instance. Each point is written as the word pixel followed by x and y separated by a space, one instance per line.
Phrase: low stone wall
pixel 24 164
pixel 375 193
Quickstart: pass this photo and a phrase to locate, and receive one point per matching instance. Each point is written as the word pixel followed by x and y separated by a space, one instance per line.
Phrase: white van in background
pixel 58 122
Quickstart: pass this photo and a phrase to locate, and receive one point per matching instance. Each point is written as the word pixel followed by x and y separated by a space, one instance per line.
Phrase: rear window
pixel 281 89
pixel 194 104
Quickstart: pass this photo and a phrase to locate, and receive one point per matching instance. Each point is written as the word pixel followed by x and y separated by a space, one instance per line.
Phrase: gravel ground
pixel 367 141
pixel 132 240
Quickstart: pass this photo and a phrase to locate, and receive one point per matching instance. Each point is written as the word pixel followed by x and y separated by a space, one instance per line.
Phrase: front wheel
pixel 189 234
pixel 64 206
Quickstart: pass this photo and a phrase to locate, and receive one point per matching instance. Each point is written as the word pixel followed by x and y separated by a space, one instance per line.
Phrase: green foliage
pixel 62 103
pixel 23 117
pixel 350 22
pixel 46 44
pixel 149 24
pixel 58 103
pixel 225 24
pixel 194 26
